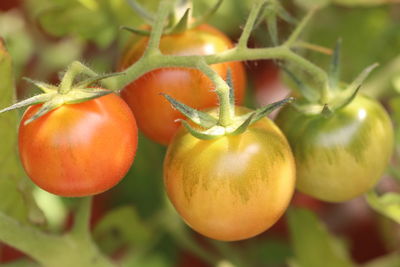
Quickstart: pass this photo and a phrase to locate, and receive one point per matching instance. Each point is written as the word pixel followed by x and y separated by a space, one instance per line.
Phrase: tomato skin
pixel 155 116
pixel 233 187
pixel 342 156
pixel 79 149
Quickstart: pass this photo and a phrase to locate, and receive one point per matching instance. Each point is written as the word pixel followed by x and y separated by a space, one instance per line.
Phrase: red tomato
pixel 79 149
pixel 154 114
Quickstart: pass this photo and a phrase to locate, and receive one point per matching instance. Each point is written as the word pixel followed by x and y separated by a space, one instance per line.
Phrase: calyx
pixel 67 92
pixel 210 127
pixel 338 95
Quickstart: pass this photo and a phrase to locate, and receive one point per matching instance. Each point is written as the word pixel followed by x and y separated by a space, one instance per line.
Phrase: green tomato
pixel 341 156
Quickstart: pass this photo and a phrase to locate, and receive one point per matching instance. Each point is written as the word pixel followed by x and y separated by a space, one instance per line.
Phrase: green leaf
pixel 96 21
pixel 313 245
pixel 390 260
pixel 122 226
pixel 15 189
pixel 200 118
pixel 388 204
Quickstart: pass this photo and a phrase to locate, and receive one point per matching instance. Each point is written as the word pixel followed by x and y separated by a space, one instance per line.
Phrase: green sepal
pixel 37 99
pixel 243 127
pixel 87 82
pixel 388 204
pixel 308 93
pixel 306 107
pixel 334 71
pixel 326 111
pixel 264 111
pixel 82 95
pixel 55 100
pixel 135 30
pixel 45 87
pixel 200 118
pixel 46 108
pixel 182 25
pixel 204 135
pixel 346 96
pixel 206 16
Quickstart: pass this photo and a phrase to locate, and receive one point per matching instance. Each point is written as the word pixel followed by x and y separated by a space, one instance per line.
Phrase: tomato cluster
pixel 229 188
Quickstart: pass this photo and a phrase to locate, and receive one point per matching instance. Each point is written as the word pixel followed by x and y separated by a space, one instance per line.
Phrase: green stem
pixel 299 29
pixel 27 238
pixel 158 26
pixel 82 218
pixel 244 37
pixel 74 69
pixel 144 65
pixel 226 110
pixel 73 249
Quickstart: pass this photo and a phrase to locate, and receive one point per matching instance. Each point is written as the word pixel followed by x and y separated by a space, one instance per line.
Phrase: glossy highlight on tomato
pixel 341 156
pixel 155 116
pixel 233 187
pixel 79 149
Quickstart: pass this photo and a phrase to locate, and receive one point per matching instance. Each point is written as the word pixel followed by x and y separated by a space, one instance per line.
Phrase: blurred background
pixel 133 222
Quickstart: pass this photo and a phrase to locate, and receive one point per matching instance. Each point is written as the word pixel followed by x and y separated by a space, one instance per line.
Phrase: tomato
pixel 232 187
pixel 155 116
pixel 79 149
pixel 341 156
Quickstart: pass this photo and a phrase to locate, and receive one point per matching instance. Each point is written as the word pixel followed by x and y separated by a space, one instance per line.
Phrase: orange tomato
pixel 155 116
pixel 79 149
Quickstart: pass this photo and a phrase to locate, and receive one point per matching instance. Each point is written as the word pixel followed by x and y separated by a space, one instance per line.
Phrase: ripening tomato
pixel 79 149
pixel 341 156
pixel 232 187
pixel 155 116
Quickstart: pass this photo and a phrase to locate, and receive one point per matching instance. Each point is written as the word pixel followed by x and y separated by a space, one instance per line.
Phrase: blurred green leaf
pixel 391 260
pixel 20 263
pixel 377 38
pixel 143 185
pixel 15 190
pixel 313 245
pixel 354 3
pixel 97 21
pixel 388 204
pixel 14 30
pixel 148 260
pixel 122 226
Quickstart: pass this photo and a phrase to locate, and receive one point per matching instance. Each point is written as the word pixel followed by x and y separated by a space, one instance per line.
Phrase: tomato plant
pixel 79 149
pixel 232 187
pixel 343 155
pixel 155 116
